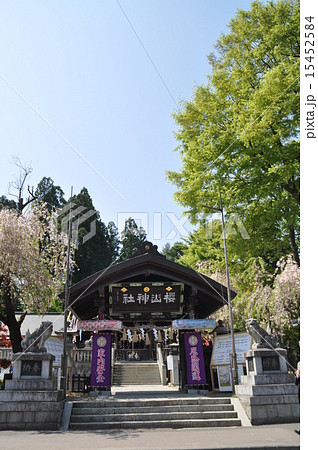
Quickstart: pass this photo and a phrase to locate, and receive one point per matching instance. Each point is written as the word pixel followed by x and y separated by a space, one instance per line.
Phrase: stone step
pixel 138 380
pixel 139 369
pixel 153 402
pixel 123 383
pixel 186 423
pixel 136 364
pixel 153 416
pixel 171 412
pixel 136 374
pixel 128 381
pixel 149 409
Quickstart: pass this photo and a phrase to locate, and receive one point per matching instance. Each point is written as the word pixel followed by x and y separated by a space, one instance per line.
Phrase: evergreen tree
pixel 131 239
pixel 101 248
pixel 6 203
pixel 174 252
pixel 47 192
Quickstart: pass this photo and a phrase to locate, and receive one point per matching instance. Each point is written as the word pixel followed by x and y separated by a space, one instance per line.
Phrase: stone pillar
pixel 175 364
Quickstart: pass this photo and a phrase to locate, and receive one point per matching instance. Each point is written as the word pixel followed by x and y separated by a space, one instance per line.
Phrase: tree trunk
pixel 15 334
pixel 10 320
pixel 294 245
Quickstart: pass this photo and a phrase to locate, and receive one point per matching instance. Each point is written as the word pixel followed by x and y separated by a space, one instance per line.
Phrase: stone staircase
pixel 174 412
pixel 133 373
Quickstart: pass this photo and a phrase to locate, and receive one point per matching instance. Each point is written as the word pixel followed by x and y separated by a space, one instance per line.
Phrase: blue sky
pixel 87 92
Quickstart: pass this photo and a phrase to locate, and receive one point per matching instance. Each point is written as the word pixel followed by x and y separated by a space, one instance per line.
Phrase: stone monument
pixel 268 392
pixel 31 399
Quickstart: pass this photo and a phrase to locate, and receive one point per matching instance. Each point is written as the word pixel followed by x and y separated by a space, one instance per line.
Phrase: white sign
pixel 169 362
pixel 55 347
pixel 225 377
pixel 222 348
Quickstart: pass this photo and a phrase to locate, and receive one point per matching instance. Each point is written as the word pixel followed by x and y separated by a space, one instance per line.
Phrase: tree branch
pixel 292 189
pixel 22 317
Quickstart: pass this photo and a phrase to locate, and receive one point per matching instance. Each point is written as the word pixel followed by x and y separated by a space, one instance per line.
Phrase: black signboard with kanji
pixel 31 368
pixel 145 297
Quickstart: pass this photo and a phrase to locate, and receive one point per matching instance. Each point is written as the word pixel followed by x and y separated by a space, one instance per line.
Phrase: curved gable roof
pixel 153 266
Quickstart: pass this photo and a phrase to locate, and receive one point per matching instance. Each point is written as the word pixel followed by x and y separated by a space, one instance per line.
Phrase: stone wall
pixel 31 401
pixel 30 412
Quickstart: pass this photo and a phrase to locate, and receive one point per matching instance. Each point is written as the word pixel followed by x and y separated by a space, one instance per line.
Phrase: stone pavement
pixel 256 437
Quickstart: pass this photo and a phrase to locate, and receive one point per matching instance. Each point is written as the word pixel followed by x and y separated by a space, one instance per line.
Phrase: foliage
pixel 32 264
pixel 240 132
pixel 131 238
pixel 204 247
pixel 101 249
pixel 47 192
pixel 274 300
pixel 7 203
pixel 174 252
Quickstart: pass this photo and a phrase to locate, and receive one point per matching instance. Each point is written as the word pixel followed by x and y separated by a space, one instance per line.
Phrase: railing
pixel 81 355
pixel 80 383
pixel 6 353
pixel 144 354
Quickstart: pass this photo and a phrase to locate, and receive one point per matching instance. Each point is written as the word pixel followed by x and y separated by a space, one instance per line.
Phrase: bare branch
pixel 18 184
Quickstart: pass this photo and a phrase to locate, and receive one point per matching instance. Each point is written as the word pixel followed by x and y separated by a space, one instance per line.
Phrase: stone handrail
pixel 82 355
pixel 6 353
pixel 161 365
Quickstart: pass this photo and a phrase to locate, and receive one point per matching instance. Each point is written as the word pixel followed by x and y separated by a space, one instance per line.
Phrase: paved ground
pixel 239 438
pixel 257 437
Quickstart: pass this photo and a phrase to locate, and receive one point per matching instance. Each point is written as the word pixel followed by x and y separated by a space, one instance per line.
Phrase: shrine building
pixel 147 288
pixel 145 294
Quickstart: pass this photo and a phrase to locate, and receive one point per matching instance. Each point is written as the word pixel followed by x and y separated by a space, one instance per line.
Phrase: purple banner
pixel 194 358
pixel 100 373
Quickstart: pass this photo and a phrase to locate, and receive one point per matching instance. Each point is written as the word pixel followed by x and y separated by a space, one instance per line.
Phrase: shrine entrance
pixel 145 293
pixel 133 351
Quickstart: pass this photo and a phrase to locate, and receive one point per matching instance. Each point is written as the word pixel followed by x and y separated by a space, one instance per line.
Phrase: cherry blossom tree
pixel 274 300
pixel 33 258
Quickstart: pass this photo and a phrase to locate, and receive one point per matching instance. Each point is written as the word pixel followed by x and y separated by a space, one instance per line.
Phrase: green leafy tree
pixel 131 239
pixel 240 132
pixel 7 203
pixel 204 248
pixel 174 252
pixel 101 249
pixel 47 192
